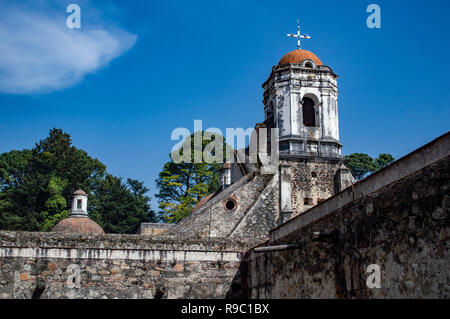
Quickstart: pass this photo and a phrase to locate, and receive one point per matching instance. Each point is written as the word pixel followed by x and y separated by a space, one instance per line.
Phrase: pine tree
pixel 182 185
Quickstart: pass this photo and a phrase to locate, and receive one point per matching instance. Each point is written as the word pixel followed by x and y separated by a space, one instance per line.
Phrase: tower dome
pixel 298 56
pixel 80 225
pixel 78 220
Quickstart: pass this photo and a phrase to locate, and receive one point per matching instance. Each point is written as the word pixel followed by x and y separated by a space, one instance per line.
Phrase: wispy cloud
pixel 39 54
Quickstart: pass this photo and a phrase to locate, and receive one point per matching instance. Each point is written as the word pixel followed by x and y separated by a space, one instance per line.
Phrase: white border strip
pixel 135 254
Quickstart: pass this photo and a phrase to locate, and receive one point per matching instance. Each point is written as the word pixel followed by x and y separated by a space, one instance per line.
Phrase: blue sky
pixel 136 70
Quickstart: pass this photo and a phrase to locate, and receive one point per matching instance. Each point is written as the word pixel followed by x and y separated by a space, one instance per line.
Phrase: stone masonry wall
pixel 313 181
pixel 153 229
pixel 403 227
pixel 214 219
pixel 44 265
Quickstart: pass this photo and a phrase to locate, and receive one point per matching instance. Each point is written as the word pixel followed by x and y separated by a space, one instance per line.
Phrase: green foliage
pixel 382 161
pixel 361 164
pixel 182 185
pixel 50 220
pixel 36 188
pixel 122 206
pixel 56 204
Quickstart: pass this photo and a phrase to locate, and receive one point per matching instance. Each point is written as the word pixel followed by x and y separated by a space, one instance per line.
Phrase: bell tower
pixel 300 99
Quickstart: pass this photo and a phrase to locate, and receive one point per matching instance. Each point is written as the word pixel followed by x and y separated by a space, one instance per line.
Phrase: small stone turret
pixel 79 204
pixel 78 220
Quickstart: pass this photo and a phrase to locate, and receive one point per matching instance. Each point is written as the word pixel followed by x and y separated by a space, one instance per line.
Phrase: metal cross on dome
pixel 298 35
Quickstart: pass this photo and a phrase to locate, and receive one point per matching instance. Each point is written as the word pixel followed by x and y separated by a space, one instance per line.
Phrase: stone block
pixel 24 276
pixel 178 268
pixel 115 271
pixel 52 266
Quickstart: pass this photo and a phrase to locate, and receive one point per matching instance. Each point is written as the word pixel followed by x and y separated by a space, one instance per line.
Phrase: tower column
pixel 285 192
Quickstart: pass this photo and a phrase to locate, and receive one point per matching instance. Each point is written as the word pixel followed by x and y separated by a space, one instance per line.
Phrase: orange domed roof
pixel 83 225
pixel 298 56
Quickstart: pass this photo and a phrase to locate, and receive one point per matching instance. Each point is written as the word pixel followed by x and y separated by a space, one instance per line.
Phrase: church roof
pixel 83 225
pixel 203 201
pixel 298 56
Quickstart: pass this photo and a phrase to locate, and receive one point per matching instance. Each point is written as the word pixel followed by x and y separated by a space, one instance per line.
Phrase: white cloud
pixel 39 54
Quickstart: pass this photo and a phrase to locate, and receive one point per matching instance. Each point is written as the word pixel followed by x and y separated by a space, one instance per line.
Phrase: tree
pixel 36 188
pixel 182 185
pixel 361 164
pixel 382 161
pixel 121 207
pixel 13 170
pixel 56 204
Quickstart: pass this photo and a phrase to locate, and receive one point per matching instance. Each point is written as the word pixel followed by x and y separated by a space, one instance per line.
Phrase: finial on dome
pixel 298 35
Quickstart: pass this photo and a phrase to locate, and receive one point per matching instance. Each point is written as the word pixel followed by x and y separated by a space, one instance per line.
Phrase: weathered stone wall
pixel 153 229
pixel 41 265
pixel 262 216
pixel 255 211
pixel 403 227
pixel 313 181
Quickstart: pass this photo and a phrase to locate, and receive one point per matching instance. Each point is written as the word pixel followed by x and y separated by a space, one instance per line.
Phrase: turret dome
pixel 298 56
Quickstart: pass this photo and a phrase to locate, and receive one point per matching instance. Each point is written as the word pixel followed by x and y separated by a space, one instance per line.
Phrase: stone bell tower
pixel 300 99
